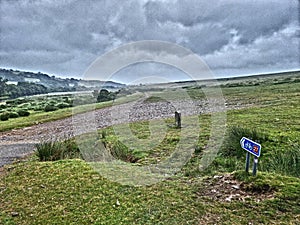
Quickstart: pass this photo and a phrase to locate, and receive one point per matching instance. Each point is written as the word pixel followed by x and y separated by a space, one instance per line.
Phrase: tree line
pixel 21 89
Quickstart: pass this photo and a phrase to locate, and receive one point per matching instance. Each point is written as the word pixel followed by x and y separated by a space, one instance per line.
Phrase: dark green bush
pixel 23 113
pixel 49 108
pixel 56 150
pixel 105 95
pixel 2 106
pixel 62 105
pixel 4 116
pixel 13 115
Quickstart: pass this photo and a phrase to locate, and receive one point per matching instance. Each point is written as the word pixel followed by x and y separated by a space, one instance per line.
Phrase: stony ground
pixel 18 143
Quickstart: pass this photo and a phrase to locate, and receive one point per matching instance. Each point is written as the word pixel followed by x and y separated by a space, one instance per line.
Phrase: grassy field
pixel 71 192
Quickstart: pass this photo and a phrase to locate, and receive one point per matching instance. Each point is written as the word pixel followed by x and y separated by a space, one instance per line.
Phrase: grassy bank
pixel 70 192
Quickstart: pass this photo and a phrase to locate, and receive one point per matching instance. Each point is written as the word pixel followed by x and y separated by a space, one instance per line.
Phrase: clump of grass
pixel 231 156
pixel 286 162
pixel 56 150
pixel 232 147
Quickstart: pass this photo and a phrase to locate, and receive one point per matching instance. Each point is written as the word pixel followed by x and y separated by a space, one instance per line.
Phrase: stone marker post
pixel 177 119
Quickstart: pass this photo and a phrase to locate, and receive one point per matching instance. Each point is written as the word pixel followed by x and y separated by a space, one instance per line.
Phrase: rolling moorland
pixel 54 185
pixel 15 83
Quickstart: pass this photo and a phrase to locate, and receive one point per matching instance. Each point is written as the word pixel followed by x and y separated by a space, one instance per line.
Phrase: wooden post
pixel 177 119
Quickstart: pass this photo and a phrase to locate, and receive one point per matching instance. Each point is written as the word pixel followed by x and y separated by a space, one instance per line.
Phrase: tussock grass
pixel 231 145
pixel 284 161
pixel 56 150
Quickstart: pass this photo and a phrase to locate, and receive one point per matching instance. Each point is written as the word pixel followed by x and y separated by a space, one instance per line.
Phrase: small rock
pixel 237 187
pixel 118 203
pixel 14 214
pixel 217 177
pixel 228 199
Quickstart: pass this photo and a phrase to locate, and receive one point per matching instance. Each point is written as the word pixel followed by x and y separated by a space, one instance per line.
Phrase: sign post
pixel 247 161
pixel 252 148
pixel 255 165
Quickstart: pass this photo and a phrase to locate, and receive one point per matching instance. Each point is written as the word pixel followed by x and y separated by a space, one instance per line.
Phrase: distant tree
pixel 104 95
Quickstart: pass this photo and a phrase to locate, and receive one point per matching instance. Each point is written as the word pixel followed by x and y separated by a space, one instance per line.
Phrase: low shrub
pixel 13 115
pixel 23 113
pixel 2 106
pixel 4 116
pixel 49 108
pixel 62 105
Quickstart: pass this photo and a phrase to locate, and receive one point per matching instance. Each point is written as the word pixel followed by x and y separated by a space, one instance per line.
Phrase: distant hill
pixel 52 82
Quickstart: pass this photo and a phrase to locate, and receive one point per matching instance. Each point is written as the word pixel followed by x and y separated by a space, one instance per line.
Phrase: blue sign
pixel 251 146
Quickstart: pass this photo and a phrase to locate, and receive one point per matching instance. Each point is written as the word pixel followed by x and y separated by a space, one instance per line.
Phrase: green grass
pixel 70 192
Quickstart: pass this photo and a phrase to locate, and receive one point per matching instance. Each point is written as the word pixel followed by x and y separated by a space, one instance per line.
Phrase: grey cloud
pixel 278 51
pixel 65 36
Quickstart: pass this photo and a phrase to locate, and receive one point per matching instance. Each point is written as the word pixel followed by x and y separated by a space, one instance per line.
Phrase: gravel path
pixel 18 143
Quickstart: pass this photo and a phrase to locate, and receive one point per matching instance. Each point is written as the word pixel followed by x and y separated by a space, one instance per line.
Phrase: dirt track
pixel 19 143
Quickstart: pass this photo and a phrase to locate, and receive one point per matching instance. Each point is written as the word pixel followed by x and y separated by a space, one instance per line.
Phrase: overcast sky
pixel 234 37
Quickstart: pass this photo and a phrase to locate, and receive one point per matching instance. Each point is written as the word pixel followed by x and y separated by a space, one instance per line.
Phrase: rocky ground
pixel 18 143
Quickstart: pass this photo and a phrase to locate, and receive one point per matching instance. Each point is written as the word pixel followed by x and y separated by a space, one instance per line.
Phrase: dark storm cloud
pixel 63 37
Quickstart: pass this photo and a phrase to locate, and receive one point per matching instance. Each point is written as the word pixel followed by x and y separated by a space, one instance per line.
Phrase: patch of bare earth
pixel 225 188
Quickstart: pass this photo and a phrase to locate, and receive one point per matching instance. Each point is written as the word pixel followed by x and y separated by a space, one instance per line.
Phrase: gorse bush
pixel 23 113
pixel 13 115
pixel 55 150
pixel 4 116
pixel 2 106
pixel 50 108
